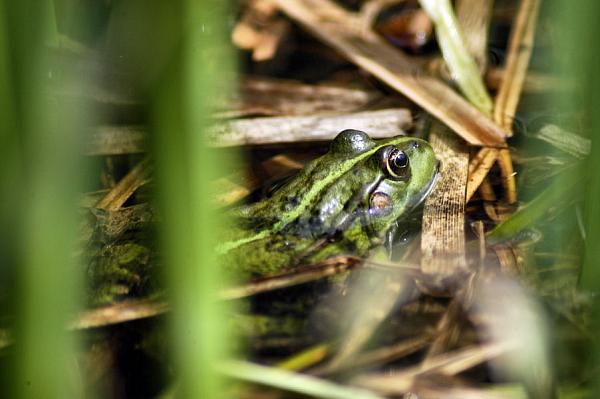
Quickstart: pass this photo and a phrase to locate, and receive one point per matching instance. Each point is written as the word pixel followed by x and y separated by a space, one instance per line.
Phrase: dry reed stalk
pixel 278 97
pixel 119 313
pixel 520 47
pixel 452 363
pixel 486 190
pixel 442 237
pixel 300 275
pixel 378 356
pixel 479 167
pixel 255 131
pixel 121 192
pixel 474 16
pixel 508 175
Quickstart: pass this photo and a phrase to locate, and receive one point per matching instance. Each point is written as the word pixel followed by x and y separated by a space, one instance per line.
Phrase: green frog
pixel 348 201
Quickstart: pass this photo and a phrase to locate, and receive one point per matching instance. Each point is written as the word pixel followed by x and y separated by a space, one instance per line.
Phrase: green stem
pixel 462 66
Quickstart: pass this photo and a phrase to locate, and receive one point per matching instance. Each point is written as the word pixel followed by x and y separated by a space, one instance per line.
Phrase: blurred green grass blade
pixel 294 382
pixel 10 150
pixel 305 358
pixel 578 51
pixel 568 142
pixel 556 195
pixel 590 273
pixel 184 167
pixel 43 176
pixel 590 276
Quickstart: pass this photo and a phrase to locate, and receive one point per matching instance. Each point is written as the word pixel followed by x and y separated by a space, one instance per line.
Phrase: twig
pixel 120 193
pixel 508 175
pixel 520 47
pixel 387 354
pixel 382 123
pixel 119 313
pixel 378 356
pixel 487 193
pixel 450 364
pixel 297 276
pixel 479 167
pixel 278 97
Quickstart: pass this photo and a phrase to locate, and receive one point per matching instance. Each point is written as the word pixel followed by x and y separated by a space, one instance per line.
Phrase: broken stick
pixel 379 124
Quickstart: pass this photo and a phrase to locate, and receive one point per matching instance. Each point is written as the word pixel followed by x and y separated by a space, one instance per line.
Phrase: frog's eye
pixel 396 163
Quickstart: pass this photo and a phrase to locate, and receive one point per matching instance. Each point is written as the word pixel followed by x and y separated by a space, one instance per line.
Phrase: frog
pixel 346 202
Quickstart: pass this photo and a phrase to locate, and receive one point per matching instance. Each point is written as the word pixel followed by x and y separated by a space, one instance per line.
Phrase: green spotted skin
pixel 344 202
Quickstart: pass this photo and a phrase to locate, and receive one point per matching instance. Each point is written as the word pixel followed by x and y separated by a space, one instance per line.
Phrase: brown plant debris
pixel 341 29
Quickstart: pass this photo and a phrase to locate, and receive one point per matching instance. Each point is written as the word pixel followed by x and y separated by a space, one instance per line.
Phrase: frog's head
pixel 408 170
pixel 395 175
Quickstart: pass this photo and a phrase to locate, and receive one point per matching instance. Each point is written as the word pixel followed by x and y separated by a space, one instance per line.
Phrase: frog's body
pixel 346 201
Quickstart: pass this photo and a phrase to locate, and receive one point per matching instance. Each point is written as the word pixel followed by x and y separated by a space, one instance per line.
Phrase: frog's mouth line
pixel 429 188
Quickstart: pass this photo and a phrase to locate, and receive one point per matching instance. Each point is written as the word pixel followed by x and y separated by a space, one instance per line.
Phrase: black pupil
pixel 399 159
